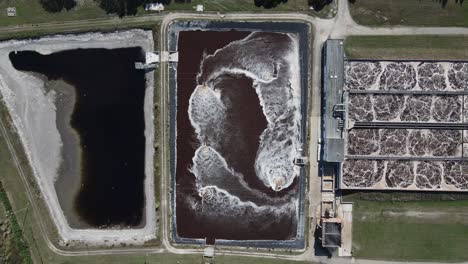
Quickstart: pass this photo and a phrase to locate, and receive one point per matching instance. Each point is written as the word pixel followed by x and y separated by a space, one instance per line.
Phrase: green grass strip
pixel 20 244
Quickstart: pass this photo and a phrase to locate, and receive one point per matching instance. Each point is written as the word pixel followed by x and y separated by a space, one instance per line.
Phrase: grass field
pixel 431 47
pixel 238 5
pixel 248 6
pixel 223 6
pixel 411 231
pixel 409 12
pixel 31 12
pixel 13 247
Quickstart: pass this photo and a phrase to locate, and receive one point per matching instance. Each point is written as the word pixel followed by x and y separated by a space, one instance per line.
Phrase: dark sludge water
pixel 244 123
pixel 109 118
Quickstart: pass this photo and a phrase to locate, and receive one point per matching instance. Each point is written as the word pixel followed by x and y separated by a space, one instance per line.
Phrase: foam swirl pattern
pixel 244 167
pixel 273 67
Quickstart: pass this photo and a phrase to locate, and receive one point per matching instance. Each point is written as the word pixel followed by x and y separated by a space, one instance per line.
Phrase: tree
pixel 113 7
pixel 165 2
pixel 268 3
pixel 54 6
pixel 126 7
pixel 69 4
pixel 319 4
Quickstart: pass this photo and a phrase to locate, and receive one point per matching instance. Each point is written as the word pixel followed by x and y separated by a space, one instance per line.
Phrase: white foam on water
pixel 279 142
pixel 216 201
pixel 277 83
pixel 211 169
pixel 275 73
pixel 207 114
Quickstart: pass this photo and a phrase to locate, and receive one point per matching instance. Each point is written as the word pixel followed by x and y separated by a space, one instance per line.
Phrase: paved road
pixel 339 27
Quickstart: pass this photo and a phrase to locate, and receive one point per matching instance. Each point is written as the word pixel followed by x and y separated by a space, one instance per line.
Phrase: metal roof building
pixel 334 111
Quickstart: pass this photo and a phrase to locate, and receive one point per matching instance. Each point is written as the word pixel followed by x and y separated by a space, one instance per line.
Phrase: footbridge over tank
pixel 154 57
pixel 165 56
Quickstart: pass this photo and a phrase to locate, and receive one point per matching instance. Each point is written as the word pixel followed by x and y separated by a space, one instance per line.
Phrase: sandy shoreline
pixel 35 116
pixel 68 178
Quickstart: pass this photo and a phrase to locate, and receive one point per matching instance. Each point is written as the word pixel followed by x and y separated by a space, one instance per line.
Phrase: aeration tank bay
pixel 412 116
pixel 238 122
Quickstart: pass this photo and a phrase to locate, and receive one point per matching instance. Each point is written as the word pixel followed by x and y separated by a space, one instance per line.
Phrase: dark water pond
pixel 108 116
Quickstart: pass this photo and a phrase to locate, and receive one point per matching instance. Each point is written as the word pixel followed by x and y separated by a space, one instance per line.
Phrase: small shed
pixel 331 232
pixel 11 11
pixel 152 57
pixel 200 8
pixel 154 7
pixel 208 252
